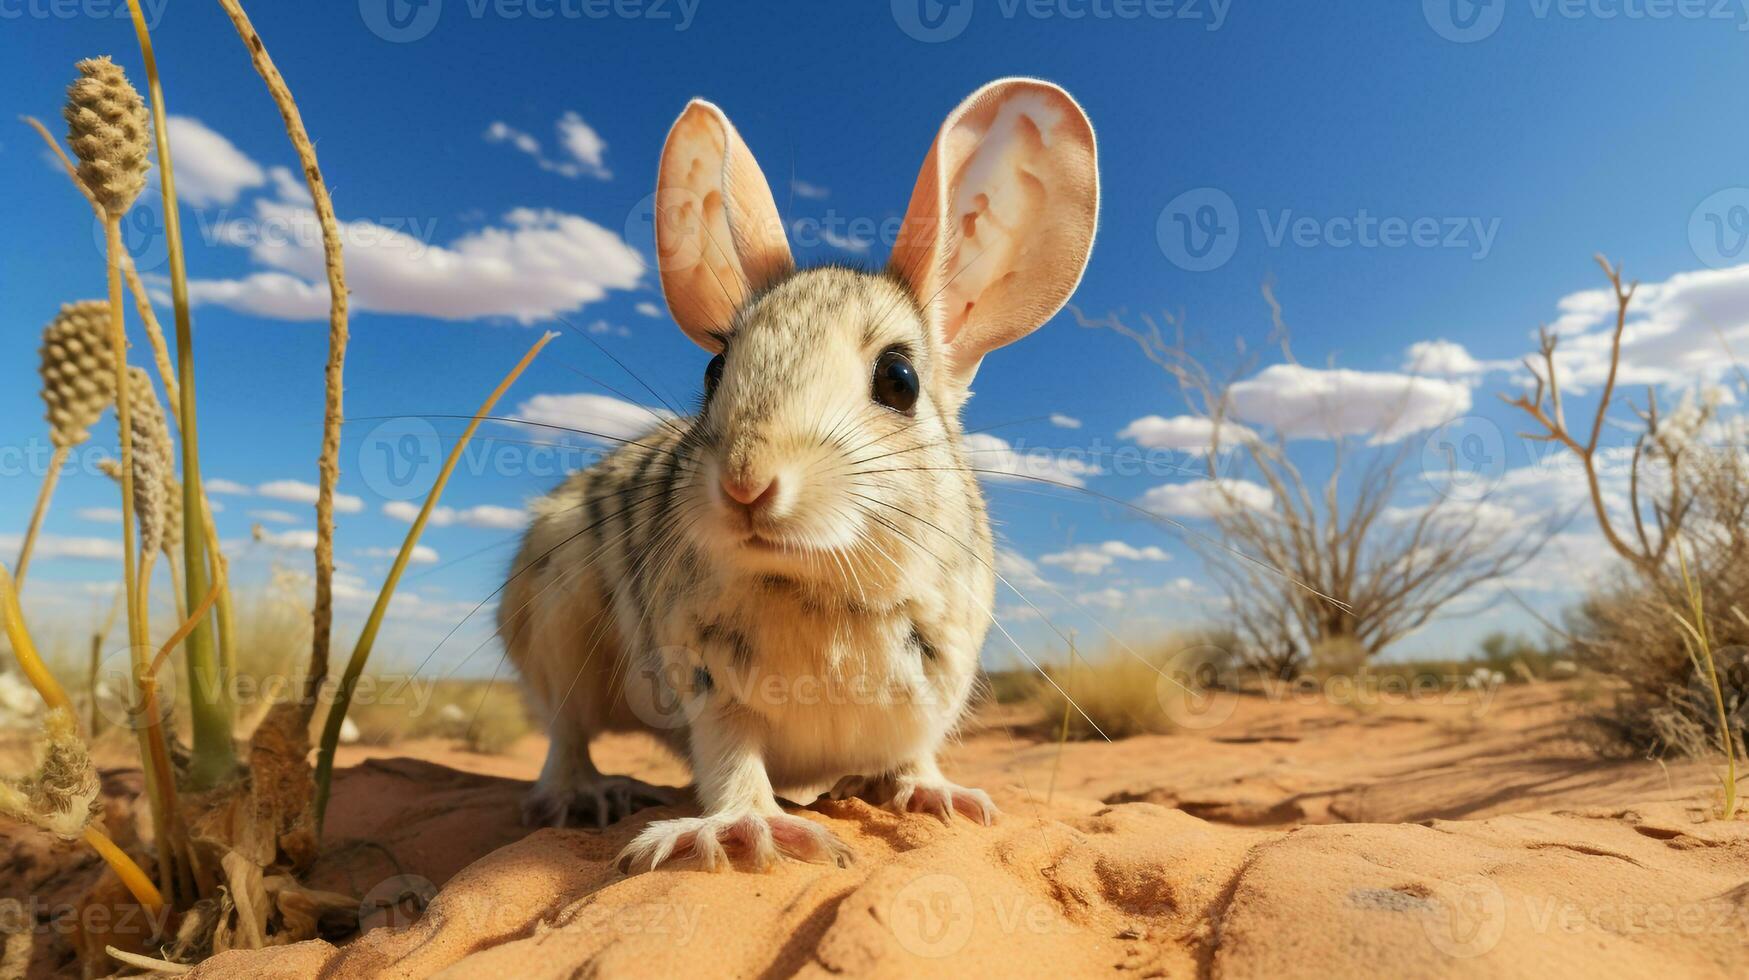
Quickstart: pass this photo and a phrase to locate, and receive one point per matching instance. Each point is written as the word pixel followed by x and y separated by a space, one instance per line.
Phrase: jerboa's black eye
pixel 713 373
pixel 895 382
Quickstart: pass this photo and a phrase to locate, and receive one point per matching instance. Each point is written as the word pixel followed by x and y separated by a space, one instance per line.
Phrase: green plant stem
pixel 152 757
pixel 214 757
pixel 367 639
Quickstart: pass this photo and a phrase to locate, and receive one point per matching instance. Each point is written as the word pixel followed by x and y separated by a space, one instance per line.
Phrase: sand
pixel 1288 839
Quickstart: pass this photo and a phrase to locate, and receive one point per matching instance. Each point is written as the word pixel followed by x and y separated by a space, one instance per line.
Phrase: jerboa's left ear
pixel 1002 218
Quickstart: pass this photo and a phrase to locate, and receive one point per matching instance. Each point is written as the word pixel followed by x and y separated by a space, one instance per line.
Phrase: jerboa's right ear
pixel 1001 219
pixel 718 235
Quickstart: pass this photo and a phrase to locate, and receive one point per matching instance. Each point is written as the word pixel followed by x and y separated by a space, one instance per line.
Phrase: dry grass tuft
pixel 1124 692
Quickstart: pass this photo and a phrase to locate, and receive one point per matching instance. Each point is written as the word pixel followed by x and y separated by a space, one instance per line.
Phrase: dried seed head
pixel 172 512
pixel 108 129
pixel 77 370
pixel 153 458
pixel 61 796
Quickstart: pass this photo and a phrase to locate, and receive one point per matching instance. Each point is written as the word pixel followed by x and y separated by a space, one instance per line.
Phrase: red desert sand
pixel 1283 839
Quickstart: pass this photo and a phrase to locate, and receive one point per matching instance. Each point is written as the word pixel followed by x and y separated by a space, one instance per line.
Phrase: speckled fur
pixel 852 659
pixel 793 586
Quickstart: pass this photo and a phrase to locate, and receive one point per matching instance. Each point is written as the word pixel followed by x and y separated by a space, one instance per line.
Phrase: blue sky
pixel 482 137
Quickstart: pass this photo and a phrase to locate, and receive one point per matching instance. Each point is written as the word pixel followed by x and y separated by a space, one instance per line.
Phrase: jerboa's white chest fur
pixel 832 686
pixel 618 620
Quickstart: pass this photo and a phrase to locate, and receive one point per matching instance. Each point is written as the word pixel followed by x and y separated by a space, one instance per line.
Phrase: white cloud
pixel 483 516
pixel 1094 559
pixel 1323 403
pixel 273 295
pixel 305 493
pixel 1062 421
pixel 1467 516
pixel 1203 498
pixel 603 327
pixel 231 487
pixel 812 192
pixel 209 168
pixel 610 418
pixel 1142 599
pixel 1017 569
pixel 289 186
pixel 293 540
pixel 846 243
pixel 56 546
pixel 421 554
pixel 583 147
pixel 1673 330
pixel 996 459
pixel 536 265
pixel 1447 359
pixel 1184 433
pixel 100 515
pixel 274 516
pixel 649 309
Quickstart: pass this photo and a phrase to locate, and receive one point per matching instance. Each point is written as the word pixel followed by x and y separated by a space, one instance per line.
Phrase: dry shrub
pixel 486 717
pixel 1663 705
pixel 1124 692
pixel 1684 522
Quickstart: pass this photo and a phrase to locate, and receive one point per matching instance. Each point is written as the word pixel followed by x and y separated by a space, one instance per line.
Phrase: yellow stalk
pixel 118 344
pixel 134 879
pixel 328 463
pixel 172 391
pixel 367 639
pixel 1705 662
pixel 56 699
pixel 34 669
pixel 43 496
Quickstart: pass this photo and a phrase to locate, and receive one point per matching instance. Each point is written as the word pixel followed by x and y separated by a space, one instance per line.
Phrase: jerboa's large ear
pixel 1002 218
pixel 718 235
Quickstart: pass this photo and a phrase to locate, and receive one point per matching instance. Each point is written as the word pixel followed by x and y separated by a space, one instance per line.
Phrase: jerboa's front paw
pixel 906 794
pixel 716 840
